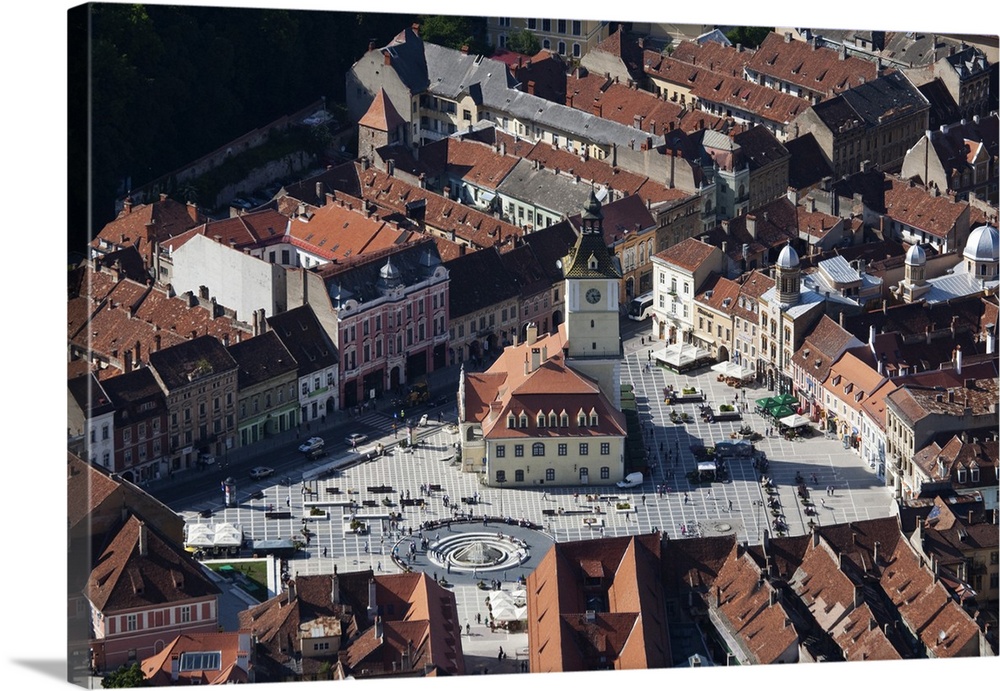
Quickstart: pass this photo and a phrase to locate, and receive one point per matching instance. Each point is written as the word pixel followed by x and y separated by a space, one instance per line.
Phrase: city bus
pixel 640 307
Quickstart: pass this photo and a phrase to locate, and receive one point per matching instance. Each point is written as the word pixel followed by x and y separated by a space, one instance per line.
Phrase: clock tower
pixel 593 277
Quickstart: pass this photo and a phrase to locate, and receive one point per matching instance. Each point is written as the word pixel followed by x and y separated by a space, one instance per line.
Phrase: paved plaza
pixel 558 513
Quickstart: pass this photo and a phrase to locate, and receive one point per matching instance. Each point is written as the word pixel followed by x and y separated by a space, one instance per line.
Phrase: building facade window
pixel 550 474
pixel 501 451
pixel 519 450
pixel 538 449
pixel 584 448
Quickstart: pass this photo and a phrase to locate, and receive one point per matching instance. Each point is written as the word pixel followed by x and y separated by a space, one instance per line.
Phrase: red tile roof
pixel 918 208
pixel 157 669
pixel 145 224
pixel 688 254
pixel 821 70
pixel 381 114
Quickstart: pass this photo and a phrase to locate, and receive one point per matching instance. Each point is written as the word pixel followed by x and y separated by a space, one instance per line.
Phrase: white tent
pixel 728 368
pixel 795 420
pixel 678 355
pixel 508 606
pixel 199 535
pixel 227 535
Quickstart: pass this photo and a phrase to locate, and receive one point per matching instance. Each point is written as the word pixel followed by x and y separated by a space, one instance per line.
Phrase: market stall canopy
pixel 787 399
pixel 509 606
pixel 765 403
pixel 680 355
pixel 781 411
pixel 217 535
pixel 794 421
pixel 706 466
pixel 730 369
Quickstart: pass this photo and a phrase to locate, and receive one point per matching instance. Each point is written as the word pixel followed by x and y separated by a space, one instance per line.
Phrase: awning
pixel 707 467
pixel 794 421
pixel 787 399
pixel 781 411
pixel 765 403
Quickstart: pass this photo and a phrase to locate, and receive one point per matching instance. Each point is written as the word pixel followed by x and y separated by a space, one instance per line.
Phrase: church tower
pixel 593 277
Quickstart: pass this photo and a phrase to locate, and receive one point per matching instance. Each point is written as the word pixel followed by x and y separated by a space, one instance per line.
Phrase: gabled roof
pixel 815 69
pixel 807 165
pixel 139 568
pixel 689 254
pixel 628 215
pixel 244 230
pixel 359 277
pixel 526 270
pixel 484 280
pixel 179 365
pixel 340 230
pixel 158 669
pixel 736 92
pixel 914 206
pixel 261 359
pixel 145 224
pixel 825 343
pixel 305 338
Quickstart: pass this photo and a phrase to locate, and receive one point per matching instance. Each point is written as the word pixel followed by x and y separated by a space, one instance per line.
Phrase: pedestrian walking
pixel 643 499
pixel 823 501
pixel 468 629
pixel 730 505
pixel 379 568
pixel 324 551
pixel 685 497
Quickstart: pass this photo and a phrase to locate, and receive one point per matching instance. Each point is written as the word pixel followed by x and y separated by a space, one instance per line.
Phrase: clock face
pixel 593 296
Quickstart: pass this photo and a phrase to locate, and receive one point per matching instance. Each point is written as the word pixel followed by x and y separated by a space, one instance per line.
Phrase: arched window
pixel 518 476
pixel 538 449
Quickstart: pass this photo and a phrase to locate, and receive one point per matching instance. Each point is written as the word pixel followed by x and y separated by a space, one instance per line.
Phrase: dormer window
pixel 553 420
pixel 592 263
pixel 581 419
pixel 849 387
pixel 836 380
pixel 540 420
pixel 511 423
pixel 974 474
pixel 564 419
pixel 961 476
pixel 524 420
pixel 593 418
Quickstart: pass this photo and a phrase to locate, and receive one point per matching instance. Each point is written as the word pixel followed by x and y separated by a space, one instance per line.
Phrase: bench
pixel 434 488
pixel 369 502
pixel 381 489
pixel 278 514
pixel 333 490
pixel 411 502
pixel 469 500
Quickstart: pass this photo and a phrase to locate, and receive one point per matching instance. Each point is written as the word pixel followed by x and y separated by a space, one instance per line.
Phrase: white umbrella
pixel 795 420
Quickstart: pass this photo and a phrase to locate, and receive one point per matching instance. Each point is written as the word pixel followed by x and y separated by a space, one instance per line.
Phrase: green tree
pixel 455 32
pixel 523 42
pixel 125 678
pixel 748 36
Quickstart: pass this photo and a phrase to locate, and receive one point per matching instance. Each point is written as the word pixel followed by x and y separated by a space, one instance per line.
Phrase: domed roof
pixel 389 272
pixel 915 256
pixel 789 258
pixel 983 245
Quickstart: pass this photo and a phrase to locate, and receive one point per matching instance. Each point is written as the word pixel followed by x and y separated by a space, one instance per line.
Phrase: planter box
pixel 680 397
pixel 628 510
pixel 729 415
pixel 318 517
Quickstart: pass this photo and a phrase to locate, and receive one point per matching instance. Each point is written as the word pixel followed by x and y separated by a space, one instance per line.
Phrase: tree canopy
pixel 157 86
pixel 523 42
pixel 748 36
pixel 129 677
pixel 455 32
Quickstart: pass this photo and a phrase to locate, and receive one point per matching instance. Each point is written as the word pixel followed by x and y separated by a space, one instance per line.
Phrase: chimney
pixel 465 49
pixel 596 109
pixel 378 628
pixel 143 540
pixel 372 604
pixel 788 37
pixel 192 210
pixel 127 206
pixel 958 360
pixel 156 342
pixel 390 167
pixel 989 338
pixel 531 333
pixel 175 666
pixel 127 367
pixel 536 358
pixel 386 58
pixel 871 338
pixel 531 87
pixel 416 28
pixel 751 225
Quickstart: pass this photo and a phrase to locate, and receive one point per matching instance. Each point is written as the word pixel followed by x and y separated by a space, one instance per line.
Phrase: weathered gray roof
pixel 452 73
pixel 556 193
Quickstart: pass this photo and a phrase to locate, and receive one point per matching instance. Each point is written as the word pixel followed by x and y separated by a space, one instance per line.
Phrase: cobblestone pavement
pixel 735 506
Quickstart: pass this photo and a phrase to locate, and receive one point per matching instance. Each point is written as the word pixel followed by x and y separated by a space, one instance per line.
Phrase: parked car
pixel 261 472
pixel 354 439
pixel 311 444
